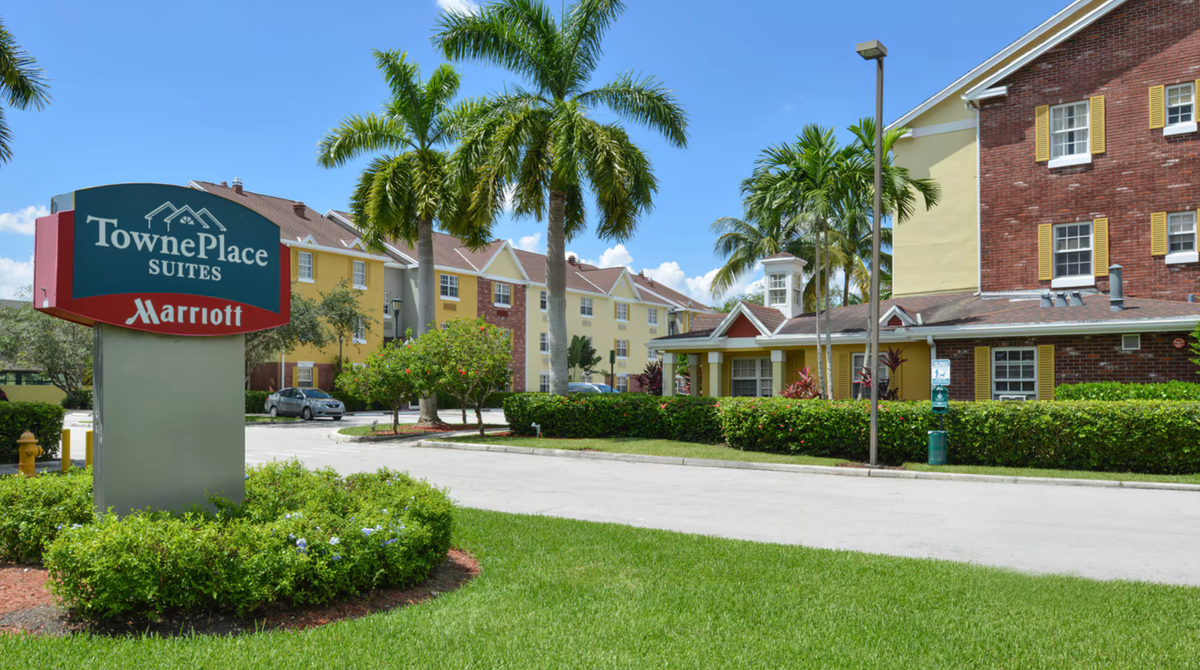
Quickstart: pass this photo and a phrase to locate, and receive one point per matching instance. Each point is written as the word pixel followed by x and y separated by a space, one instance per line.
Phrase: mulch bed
pixel 26 606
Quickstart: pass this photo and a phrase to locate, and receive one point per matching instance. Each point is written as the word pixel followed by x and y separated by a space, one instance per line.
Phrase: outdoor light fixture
pixel 874 50
pixel 396 321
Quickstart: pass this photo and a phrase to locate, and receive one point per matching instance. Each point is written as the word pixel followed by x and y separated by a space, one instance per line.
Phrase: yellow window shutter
pixel 1045 371
pixel 983 373
pixel 1045 252
pixel 1096 126
pixel 1041 135
pixel 1158 107
pixel 844 374
pixel 1100 247
pixel 316 382
pixel 1158 234
pixel 295 377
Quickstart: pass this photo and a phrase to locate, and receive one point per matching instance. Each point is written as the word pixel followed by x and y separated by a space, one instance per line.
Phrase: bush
pixel 301 537
pixel 80 400
pixel 493 400
pixel 1135 436
pixel 35 509
pixel 681 418
pixel 43 419
pixel 256 401
pixel 1180 391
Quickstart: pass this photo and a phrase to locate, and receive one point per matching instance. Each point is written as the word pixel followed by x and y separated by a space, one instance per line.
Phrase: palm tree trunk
pixel 821 386
pixel 828 328
pixel 556 290
pixel 427 288
pixel 846 285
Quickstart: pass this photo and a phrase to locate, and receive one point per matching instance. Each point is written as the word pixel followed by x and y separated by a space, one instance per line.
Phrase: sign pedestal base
pixel 169 419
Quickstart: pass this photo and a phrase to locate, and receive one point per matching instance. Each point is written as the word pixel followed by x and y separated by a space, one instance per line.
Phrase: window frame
pixel 1137 342
pixel 652 316
pixel 543 302
pixel 447 284
pixel 300 380
pixel 387 304
pixel 1031 395
pixel 500 290
pixel 590 311
pixel 622 344
pixel 544 343
pixel 761 365
pixel 857 363
pixel 622 384
pixel 359 336
pixel 1085 140
pixel 354 267
pixel 1068 280
pixel 300 267
pixel 1180 123
pixel 1181 255
pixel 625 305
pixel 772 289
pixel 543 382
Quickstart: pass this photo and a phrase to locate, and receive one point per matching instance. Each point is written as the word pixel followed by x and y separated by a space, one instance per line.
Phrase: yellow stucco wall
pixel 329 268
pixel 466 307
pixel 33 393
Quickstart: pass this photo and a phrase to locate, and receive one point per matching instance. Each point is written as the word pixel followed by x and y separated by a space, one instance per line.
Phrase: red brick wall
pixel 265 377
pixel 1143 43
pixel 1081 358
pixel 513 319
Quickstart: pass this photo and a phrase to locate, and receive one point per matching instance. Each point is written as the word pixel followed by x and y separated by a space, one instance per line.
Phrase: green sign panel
pixel 941 400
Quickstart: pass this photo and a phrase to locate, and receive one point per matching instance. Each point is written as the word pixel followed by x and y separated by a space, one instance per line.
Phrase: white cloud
pixel 700 288
pixel 458 6
pixel 21 222
pixel 616 257
pixel 14 275
pixel 529 243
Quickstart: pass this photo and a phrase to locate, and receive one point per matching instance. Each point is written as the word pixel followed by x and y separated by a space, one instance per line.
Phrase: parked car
pixel 306 403
pixel 588 387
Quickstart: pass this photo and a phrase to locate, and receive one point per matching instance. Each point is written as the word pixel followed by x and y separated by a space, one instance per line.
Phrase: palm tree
pixel 21 83
pixel 539 143
pixel 402 195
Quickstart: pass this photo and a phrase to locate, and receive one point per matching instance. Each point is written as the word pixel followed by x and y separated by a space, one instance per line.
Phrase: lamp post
pixel 396 321
pixel 874 50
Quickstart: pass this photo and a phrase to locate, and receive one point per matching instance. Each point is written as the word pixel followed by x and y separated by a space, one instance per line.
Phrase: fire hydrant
pixel 28 448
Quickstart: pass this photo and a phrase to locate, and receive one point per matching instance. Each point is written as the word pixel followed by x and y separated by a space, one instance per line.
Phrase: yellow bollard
pixel 28 449
pixel 88 455
pixel 65 449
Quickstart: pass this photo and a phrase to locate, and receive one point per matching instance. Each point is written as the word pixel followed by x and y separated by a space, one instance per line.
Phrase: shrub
pixel 256 401
pixel 495 399
pixel 1184 391
pixel 806 386
pixel 78 400
pixel 1135 436
pixel 614 415
pixel 43 419
pixel 35 509
pixel 301 537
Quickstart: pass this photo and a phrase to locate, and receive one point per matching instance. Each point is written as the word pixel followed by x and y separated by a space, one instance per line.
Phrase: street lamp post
pixel 874 50
pixel 396 321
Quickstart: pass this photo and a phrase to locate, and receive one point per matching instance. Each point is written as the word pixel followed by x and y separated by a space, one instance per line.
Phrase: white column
pixel 668 374
pixel 715 358
pixel 694 371
pixel 778 357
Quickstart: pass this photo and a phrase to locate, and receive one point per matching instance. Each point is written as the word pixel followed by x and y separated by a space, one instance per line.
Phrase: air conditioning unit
pixel 1013 398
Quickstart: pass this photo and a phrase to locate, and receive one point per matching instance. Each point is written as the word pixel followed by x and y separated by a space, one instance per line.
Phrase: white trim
pixel 464 257
pixel 896 310
pixel 1036 52
pixel 983 67
pixel 505 245
pixel 732 316
pixel 1036 390
pixel 1069 161
pixel 1139 342
pixel 448 298
pixel 941 128
pixel 302 280
pixel 602 292
pixel 1180 257
pixel 715 357
pixel 994 92
pixel 341 252
pixel 1073 282
pixel 412 261
pixel 1180 128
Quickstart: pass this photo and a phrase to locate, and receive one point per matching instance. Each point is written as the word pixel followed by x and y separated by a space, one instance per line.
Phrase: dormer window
pixel 777 289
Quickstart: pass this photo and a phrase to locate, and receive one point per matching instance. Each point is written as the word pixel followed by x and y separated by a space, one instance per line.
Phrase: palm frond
pixel 584 28
pixel 357 135
pixel 22 82
pixel 645 101
pixel 518 35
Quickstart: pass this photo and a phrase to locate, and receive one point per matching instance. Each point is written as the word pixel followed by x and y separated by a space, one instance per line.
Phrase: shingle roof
pixel 769 316
pixel 782 254
pixel 293 227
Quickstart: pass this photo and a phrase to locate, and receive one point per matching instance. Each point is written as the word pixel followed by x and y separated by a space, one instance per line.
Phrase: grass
pixel 558 593
pixel 385 428
pixel 269 419
pixel 1060 474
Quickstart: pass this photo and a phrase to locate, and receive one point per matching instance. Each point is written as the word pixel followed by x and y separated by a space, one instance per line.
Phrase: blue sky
pixel 167 92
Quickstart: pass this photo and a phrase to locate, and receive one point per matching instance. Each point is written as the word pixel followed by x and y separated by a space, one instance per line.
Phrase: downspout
pixel 932 347
pixel 978 204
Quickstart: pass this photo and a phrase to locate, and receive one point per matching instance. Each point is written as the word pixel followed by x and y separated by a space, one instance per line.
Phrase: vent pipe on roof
pixel 1116 288
pixel 298 208
pixel 225 184
pixel 237 185
pixel 1076 299
pixel 1060 299
pixel 1047 301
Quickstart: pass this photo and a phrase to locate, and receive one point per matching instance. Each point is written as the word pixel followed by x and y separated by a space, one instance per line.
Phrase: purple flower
pixel 334 541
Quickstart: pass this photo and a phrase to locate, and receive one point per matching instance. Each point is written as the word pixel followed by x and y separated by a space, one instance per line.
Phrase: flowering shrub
pixel 1137 436
pixel 682 418
pixel 34 509
pixel 301 537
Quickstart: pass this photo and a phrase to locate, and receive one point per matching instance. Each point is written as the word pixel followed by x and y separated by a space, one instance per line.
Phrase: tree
pixel 582 356
pixel 755 298
pixel 22 83
pixel 540 143
pixel 305 327
pixel 62 350
pixel 344 315
pixel 403 195
pixel 392 376
pixel 651 379
pixel 471 358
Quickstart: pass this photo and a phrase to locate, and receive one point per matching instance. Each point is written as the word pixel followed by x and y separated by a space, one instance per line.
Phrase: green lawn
pixel 1068 474
pixel 557 593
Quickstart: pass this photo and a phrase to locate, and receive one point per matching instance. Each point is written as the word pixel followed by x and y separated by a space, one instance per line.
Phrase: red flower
pixel 407 371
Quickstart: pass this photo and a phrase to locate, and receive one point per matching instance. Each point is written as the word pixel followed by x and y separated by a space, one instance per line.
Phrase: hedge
pixel 1173 390
pixel 256 402
pixel 36 509
pixel 494 400
pixel 1134 436
pixel 681 418
pixel 78 400
pixel 44 419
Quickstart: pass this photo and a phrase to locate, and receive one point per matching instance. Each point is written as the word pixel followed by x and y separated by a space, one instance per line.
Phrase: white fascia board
pixel 334 215
pixel 1175 323
pixel 196 185
pixel 987 64
pixel 661 297
pixel 941 128
pixel 395 266
pixel 898 335
pixel 732 316
pixel 333 250
pixel 467 260
pixel 895 310
pixel 504 245
pixel 993 92
pixel 412 261
pixel 453 270
pixel 1033 54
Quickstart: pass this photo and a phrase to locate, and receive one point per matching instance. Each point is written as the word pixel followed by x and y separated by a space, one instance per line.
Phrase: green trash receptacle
pixel 937 447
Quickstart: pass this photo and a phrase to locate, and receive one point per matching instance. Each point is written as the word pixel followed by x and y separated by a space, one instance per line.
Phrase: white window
pixel 1181 104
pixel 503 295
pixel 651 355
pixel 360 331
pixel 450 287
pixel 860 391
pixel 622 383
pixel 777 285
pixel 1181 232
pixel 543 304
pixel 360 274
pixel 306 266
pixel 652 316
pixel 544 382
pixel 622 311
pixel 1069 130
pixel 751 377
pixel 1131 342
pixel 304 378
pixel 1014 373
pixel 387 304
pixel 544 343
pixel 622 348
pixel 585 306
pixel 1073 250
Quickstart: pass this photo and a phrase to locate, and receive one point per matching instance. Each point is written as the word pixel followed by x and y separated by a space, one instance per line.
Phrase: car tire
pixel 307 414
pixel 274 411
pixel 337 418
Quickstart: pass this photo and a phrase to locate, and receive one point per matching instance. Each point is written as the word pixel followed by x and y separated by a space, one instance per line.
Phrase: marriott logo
pixel 215 316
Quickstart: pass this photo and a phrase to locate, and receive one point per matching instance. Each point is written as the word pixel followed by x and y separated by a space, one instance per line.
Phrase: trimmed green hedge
pixel 494 400
pixel 1173 390
pixel 680 418
pixel 36 509
pixel 1135 436
pixel 44 419
pixel 80 400
pixel 256 402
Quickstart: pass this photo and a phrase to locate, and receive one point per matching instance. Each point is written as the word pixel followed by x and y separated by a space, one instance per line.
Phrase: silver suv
pixel 306 403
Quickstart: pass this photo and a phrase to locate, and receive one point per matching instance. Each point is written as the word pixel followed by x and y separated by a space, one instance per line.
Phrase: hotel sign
pixel 162 259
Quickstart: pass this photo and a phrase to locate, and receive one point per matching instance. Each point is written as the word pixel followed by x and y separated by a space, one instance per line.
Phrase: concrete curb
pixel 806 469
